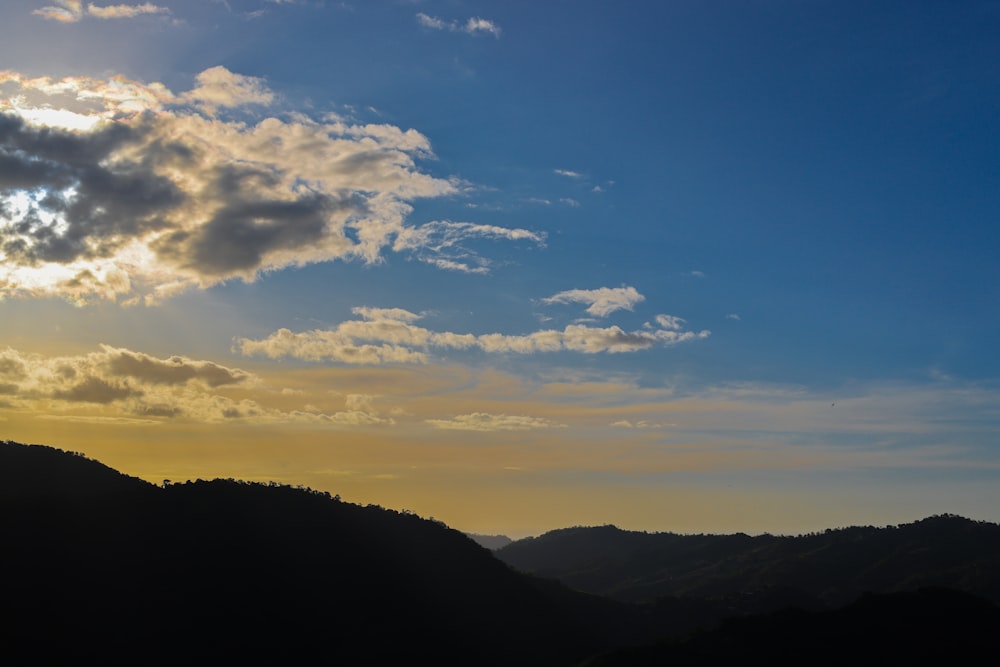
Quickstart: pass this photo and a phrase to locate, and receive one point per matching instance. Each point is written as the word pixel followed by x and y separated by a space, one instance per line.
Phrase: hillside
pixel 121 571
pixel 927 626
pixel 820 570
pixel 107 569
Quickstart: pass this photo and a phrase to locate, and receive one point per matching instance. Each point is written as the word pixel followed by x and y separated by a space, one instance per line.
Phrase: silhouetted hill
pixel 39 471
pixel 820 570
pixel 491 542
pixel 99 568
pixel 928 626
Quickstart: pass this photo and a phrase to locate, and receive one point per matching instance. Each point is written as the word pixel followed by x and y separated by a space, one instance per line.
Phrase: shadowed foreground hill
pixel 102 568
pixel 762 573
pixel 928 626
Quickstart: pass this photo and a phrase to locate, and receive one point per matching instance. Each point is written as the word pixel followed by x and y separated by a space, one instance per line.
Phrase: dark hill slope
pixel 831 568
pixel 36 471
pixel 110 572
pixel 928 626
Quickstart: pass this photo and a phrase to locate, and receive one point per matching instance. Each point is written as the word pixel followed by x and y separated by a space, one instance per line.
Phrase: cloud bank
pixel 121 384
pixel 384 336
pixel 114 189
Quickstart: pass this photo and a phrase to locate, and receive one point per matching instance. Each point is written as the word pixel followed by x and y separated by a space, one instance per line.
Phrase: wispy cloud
pixel 443 243
pixel 602 301
pixel 114 189
pixel 470 26
pixel 641 424
pixel 72 11
pixel 568 174
pixel 390 336
pixel 481 421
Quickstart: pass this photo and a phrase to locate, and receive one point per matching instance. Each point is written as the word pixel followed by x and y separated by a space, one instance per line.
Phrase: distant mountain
pixel 102 568
pixel 766 572
pixel 491 542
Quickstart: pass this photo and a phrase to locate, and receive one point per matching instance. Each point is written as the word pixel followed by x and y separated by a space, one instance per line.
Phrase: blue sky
pixel 610 259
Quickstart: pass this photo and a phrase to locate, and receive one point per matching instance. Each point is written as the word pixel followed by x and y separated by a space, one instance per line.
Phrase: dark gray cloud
pixel 96 390
pixel 149 193
pixel 172 371
pixel 102 203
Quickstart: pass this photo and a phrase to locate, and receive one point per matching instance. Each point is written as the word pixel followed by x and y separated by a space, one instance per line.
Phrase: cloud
pixel 125 11
pixel 117 384
pixel 389 336
pixel 671 322
pixel 72 11
pixel 114 189
pixel 640 424
pixel 481 421
pixel 568 174
pixel 733 316
pixel 218 87
pixel 602 301
pixel 445 244
pixel 471 26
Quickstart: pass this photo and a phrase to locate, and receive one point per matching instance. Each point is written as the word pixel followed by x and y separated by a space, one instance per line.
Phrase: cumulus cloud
pixel 72 11
pixel 385 336
pixel 114 189
pixel 470 26
pixel 218 87
pixel 481 421
pixel 117 384
pixel 602 301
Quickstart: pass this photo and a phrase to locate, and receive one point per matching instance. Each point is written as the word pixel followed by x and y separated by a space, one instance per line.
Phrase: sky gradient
pixel 695 266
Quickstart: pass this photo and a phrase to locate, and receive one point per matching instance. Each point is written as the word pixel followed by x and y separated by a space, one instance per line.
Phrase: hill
pixel 927 626
pixel 491 542
pixel 102 568
pixel 819 570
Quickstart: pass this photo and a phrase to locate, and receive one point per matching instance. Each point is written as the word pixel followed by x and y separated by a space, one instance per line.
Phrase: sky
pixel 690 266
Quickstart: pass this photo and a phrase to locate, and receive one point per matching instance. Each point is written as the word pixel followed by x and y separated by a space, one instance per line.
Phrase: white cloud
pixel 733 316
pixel 569 201
pixel 444 243
pixel 72 11
pixel 481 421
pixel 671 322
pixel 602 301
pixel 385 336
pixel 115 189
pixel 218 87
pixel 640 424
pixel 125 11
pixel 471 26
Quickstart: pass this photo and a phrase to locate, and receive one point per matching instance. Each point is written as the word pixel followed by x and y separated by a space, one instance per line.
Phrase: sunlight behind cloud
pixel 171 196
